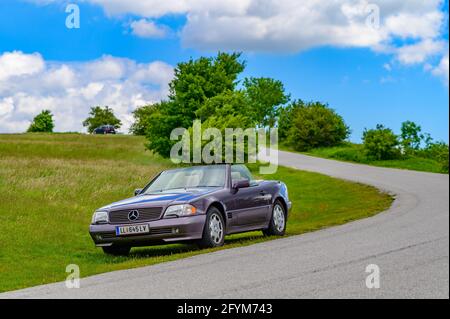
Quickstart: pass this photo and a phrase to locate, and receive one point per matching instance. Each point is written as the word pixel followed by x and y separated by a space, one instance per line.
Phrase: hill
pixel 50 184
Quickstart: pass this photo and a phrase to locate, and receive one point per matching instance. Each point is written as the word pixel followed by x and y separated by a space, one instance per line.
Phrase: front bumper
pixel 161 231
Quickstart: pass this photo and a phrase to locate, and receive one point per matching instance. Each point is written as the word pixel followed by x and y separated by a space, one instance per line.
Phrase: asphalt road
pixel 409 243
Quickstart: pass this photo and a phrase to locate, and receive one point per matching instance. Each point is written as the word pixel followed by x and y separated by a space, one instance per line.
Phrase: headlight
pixel 100 217
pixel 180 210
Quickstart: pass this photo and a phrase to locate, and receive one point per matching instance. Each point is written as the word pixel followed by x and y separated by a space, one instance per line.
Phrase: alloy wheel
pixel 216 228
pixel 278 218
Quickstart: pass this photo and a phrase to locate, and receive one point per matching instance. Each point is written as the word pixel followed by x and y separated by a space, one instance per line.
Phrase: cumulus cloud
pixel 420 52
pixel 442 69
pixel 29 84
pixel 16 64
pixel 410 30
pixel 148 29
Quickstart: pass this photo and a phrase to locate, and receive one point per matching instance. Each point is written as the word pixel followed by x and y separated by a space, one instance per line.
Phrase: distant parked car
pixel 194 204
pixel 105 129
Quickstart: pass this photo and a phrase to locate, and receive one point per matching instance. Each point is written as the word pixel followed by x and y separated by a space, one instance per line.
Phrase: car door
pixel 251 204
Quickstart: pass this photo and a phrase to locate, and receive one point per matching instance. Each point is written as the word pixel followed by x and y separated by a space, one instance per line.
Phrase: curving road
pixel 409 243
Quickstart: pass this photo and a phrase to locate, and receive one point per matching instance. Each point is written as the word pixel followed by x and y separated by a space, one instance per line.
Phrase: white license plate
pixel 132 229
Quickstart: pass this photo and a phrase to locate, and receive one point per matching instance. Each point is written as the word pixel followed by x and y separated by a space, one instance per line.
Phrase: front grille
pixel 145 215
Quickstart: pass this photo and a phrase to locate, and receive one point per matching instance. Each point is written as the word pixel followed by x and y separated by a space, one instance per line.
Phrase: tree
pixel 285 120
pixel 43 122
pixel 159 127
pixel 381 143
pixel 194 82
pixel 411 136
pixel 228 110
pixel 226 103
pixel 315 125
pixel 101 116
pixel 265 96
pixel 141 118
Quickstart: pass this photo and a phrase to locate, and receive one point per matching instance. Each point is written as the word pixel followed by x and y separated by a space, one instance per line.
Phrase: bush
pixel 351 155
pixel 381 143
pixel 438 151
pixel 314 125
pixel 43 122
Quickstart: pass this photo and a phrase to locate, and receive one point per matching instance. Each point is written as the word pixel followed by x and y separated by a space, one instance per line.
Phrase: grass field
pixel 351 152
pixel 50 184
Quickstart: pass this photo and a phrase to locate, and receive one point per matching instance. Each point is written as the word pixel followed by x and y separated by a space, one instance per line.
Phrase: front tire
pixel 277 225
pixel 117 250
pixel 214 230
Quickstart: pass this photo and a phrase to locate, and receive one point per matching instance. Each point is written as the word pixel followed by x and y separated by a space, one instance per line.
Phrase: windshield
pixel 191 177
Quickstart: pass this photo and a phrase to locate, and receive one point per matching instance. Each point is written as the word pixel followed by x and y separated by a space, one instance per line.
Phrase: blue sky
pixel 378 78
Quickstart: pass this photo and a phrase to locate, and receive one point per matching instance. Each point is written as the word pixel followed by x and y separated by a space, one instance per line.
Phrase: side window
pixel 239 172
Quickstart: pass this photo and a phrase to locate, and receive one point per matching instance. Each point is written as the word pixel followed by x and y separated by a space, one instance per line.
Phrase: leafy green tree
pixel 381 143
pixel 101 116
pixel 159 127
pixel 265 97
pixel 411 136
pixel 315 125
pixel 285 120
pixel 195 82
pixel 141 118
pixel 43 122
pixel 226 103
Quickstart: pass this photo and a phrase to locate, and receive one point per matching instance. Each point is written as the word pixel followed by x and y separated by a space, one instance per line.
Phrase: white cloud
pixel 410 30
pixel 420 52
pixel 19 64
pixel 148 29
pixel 442 69
pixel 288 25
pixel 70 89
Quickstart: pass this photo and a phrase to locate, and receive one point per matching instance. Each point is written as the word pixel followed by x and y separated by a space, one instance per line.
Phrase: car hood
pixel 159 199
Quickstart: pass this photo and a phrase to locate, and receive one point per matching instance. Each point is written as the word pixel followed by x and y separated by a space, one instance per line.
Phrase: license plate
pixel 132 229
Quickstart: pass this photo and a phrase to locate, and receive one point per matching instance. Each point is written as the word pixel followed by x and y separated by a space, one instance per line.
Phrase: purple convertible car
pixel 199 203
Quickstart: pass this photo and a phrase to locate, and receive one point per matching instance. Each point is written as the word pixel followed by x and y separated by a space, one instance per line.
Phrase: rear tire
pixel 214 230
pixel 117 250
pixel 277 225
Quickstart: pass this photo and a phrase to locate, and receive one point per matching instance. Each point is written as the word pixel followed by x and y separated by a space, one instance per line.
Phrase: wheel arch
pixel 221 209
pixel 283 202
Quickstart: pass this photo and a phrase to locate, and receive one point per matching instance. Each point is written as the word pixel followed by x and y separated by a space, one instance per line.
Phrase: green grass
pixel 350 152
pixel 51 183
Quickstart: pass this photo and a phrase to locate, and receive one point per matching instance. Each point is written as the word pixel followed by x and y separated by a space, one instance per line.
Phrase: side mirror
pixel 242 183
pixel 137 191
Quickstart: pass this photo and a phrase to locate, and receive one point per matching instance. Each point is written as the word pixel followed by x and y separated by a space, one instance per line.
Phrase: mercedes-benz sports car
pixel 199 203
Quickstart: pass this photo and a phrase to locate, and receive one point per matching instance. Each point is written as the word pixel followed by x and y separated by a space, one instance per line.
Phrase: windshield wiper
pixel 166 189
pixel 198 186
